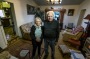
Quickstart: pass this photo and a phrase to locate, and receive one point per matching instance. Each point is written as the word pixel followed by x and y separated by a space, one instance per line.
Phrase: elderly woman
pixel 36 36
pixel 51 34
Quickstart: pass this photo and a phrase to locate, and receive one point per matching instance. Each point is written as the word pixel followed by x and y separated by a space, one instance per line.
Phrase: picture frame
pixel 30 9
pixel 70 12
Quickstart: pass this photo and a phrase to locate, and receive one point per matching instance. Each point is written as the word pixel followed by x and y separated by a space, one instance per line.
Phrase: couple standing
pixel 49 32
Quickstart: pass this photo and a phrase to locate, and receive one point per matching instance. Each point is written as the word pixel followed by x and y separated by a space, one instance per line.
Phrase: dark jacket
pixel 51 29
pixel 32 34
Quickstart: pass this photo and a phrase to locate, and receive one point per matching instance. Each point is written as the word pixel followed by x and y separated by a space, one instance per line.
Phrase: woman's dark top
pixel 32 34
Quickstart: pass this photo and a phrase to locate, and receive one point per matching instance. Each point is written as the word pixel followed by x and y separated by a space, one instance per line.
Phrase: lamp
pixel 54 1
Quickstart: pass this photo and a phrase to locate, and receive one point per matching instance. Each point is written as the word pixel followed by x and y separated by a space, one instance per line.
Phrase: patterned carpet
pixel 19 45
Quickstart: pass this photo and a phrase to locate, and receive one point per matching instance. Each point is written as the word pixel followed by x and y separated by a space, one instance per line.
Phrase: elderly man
pixel 51 33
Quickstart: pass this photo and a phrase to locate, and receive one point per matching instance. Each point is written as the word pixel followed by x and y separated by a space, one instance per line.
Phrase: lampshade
pixel 87 17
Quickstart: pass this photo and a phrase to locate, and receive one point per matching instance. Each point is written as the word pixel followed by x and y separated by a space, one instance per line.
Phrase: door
pixel 13 17
pixel 81 17
pixel 3 41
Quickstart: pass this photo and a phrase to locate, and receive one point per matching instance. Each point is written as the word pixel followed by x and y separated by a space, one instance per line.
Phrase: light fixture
pixel 54 1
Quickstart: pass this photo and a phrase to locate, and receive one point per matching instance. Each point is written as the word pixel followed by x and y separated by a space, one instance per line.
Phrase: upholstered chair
pixel 74 34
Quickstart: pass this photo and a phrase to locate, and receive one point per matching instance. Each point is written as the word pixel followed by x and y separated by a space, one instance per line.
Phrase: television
pixel 2 13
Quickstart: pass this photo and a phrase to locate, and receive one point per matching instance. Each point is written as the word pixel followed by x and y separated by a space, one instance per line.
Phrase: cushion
pixel 26 27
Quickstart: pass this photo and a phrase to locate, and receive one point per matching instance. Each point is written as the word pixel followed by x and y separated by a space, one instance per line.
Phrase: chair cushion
pixel 26 27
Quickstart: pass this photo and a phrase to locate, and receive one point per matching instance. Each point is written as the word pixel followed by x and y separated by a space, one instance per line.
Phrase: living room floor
pixel 17 44
pixel 58 54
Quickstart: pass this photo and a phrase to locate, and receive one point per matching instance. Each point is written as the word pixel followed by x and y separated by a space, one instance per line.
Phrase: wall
pixel 0 5
pixel 85 5
pixel 21 12
pixel 71 19
pixel 67 19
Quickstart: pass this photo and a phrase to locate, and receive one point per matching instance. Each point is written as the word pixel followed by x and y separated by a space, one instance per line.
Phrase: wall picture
pixel 30 9
pixel 70 12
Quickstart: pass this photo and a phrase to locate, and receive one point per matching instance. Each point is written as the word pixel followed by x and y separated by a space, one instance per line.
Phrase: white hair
pixel 50 12
pixel 38 19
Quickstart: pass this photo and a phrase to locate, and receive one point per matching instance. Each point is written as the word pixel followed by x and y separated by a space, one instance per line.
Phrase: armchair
pixel 25 30
pixel 73 34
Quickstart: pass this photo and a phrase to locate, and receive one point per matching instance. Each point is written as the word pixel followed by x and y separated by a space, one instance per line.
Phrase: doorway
pixel 81 17
pixel 56 15
pixel 8 20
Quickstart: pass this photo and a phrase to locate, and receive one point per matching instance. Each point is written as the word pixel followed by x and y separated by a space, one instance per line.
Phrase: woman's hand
pixel 38 39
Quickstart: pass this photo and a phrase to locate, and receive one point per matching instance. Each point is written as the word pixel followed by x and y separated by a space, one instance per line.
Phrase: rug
pixel 20 45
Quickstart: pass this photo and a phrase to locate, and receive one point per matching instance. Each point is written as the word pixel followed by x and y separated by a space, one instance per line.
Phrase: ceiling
pixel 64 2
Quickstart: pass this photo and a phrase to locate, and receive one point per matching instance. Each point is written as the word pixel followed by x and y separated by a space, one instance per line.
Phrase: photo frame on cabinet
pixel 70 12
pixel 30 9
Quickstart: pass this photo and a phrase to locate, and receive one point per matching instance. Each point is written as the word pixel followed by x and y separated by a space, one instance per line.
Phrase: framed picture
pixel 30 9
pixel 70 12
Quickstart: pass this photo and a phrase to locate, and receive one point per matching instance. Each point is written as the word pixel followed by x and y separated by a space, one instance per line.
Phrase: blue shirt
pixel 38 33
